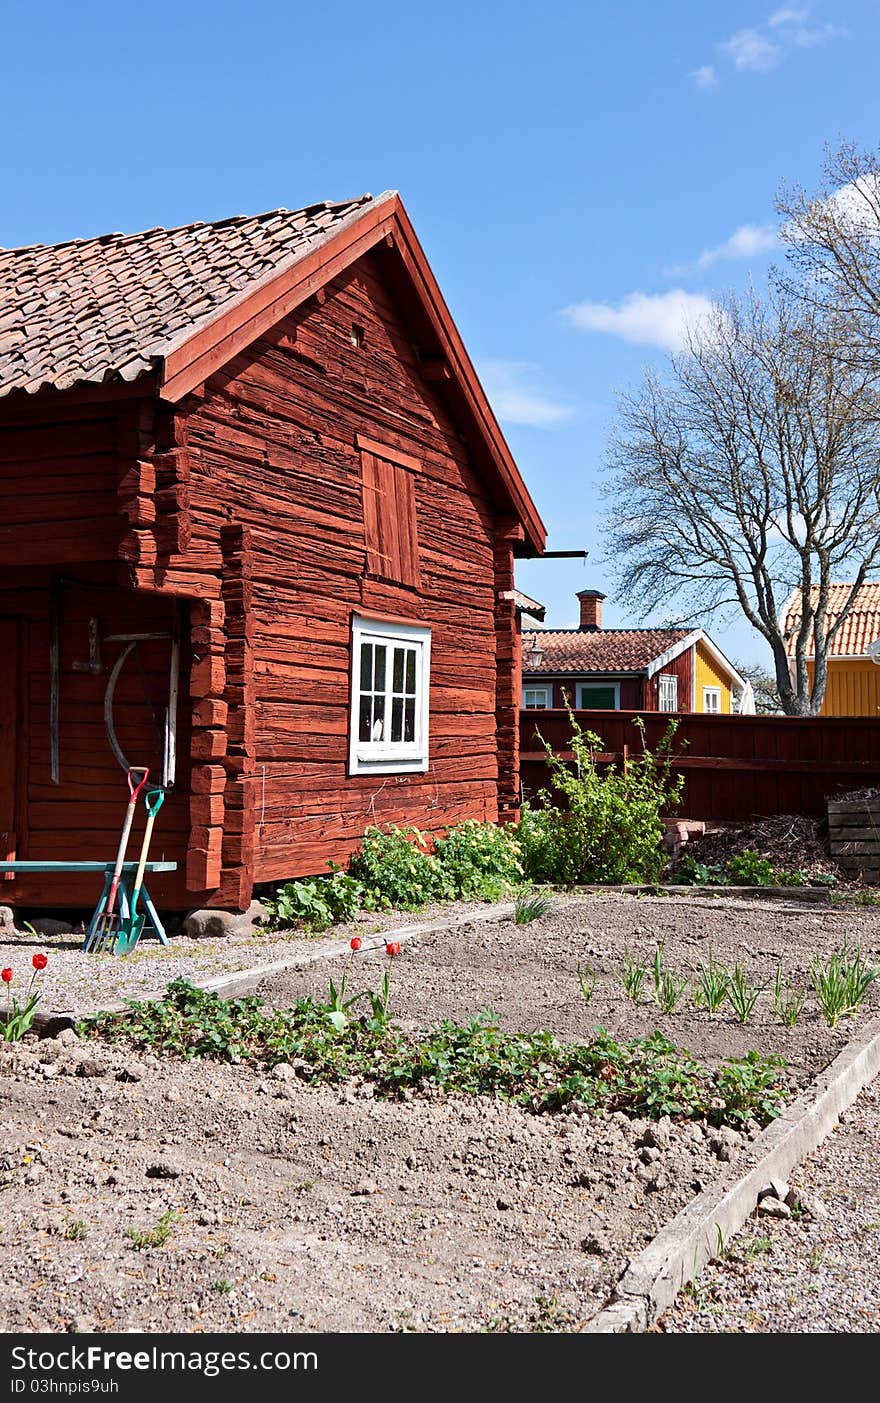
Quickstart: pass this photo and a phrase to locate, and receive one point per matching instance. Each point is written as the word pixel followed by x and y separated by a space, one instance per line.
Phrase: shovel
pixel 107 926
pixel 130 932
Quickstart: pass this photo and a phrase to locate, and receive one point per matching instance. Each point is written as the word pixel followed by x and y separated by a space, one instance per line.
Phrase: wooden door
pixel 9 663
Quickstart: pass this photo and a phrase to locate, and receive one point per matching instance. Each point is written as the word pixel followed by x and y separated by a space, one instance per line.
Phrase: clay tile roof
pixel 859 628
pixel 600 650
pixel 106 308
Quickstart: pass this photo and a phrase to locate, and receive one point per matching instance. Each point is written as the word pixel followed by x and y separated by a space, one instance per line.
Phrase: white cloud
pixel 705 77
pixel 763 47
pixel 787 17
pixel 748 241
pixel 808 36
pixel 661 319
pixel 751 50
pixel 515 400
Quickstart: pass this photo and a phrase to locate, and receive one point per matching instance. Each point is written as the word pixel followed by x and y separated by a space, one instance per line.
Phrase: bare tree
pixel 832 239
pixel 751 471
pixel 764 688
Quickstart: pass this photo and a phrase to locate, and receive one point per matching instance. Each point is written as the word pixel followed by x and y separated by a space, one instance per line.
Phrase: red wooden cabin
pixel 261 440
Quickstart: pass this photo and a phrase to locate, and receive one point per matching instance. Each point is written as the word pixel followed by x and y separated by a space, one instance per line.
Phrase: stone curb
pixel 680 1250
pixel 236 983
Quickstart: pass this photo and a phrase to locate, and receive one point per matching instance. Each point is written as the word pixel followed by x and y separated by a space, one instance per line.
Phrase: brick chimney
pixel 591 609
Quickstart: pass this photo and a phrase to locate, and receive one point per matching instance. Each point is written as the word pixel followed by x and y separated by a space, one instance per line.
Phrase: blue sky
pixel 578 172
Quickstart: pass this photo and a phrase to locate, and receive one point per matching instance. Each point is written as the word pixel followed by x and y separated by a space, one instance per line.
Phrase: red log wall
pixel 271 443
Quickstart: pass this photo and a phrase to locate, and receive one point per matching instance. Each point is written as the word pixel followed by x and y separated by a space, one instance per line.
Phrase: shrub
pixel 480 860
pixel 396 869
pixel 691 873
pixel 601 827
pixel 315 902
pixel 751 870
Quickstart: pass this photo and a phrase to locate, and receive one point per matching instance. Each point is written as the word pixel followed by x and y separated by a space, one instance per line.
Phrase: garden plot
pixel 150 1192
pixel 528 975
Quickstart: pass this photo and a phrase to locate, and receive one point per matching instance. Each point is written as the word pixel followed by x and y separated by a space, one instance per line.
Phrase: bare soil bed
pixel 323 1208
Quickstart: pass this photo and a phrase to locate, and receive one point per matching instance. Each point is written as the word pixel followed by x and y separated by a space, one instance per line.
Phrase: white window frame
pixel 606 686
pixel 712 692
pixel 541 706
pixel 668 677
pixel 390 757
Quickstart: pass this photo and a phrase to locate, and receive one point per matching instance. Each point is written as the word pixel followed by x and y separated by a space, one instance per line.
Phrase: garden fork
pixel 107 926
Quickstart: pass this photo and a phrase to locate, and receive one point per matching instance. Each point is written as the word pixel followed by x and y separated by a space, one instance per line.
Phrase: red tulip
pixel 355 942
pixel 393 947
pixel 40 961
pixel 6 976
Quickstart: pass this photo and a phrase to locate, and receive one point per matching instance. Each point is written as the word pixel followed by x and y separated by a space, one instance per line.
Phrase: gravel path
pixel 76 983
pixel 803 1276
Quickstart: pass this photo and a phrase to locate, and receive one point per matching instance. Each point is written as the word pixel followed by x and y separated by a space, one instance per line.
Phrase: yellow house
pixel 853 687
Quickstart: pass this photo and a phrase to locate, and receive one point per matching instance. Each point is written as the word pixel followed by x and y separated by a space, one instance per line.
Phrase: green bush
pixel 315 902
pixel 480 861
pixel 751 870
pixel 396 869
pixel 601 827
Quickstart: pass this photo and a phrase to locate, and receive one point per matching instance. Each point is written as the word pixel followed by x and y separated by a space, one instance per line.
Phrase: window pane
pixel 399 656
pixel 364 718
pixel 366 667
pixel 411 672
pixel 409 724
pixel 381 655
pixel 397 719
pixel 598 698
pixel 378 731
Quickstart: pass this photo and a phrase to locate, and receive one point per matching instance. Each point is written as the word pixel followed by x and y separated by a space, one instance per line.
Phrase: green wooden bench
pixel 125 884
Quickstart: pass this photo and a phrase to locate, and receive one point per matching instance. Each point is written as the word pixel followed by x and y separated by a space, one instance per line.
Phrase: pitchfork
pixel 107 927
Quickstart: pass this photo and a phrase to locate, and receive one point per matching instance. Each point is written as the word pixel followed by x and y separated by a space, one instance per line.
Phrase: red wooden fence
pixel 734 766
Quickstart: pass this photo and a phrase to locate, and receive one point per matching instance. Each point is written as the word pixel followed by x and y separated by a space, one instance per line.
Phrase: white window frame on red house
pixel 389 705
pixel 663 702
pixel 533 690
pixel 715 694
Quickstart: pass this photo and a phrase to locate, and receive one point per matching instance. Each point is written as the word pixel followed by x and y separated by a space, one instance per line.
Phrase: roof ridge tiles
pixel 228 220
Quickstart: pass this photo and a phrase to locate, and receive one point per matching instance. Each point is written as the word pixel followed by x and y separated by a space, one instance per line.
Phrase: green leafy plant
pixel 531 906
pixel 741 995
pixel 76 1230
pixel 668 987
pixel 480 861
pixel 600 825
pixel 396 869
pixel 157 1236
pixel 788 1002
pixel 712 983
pixel 842 985
pixel 339 1002
pixel 749 869
pixel 587 981
pixel 647 1077
pixel 221 1287
pixel 315 902
pixel 634 974
pixel 749 1088
pixel 20 1013
pixel 690 872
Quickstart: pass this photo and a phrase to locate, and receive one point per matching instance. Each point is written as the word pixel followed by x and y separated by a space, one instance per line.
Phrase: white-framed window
pixel 536 698
pixel 667 692
pixel 390 681
pixel 598 696
pixel 712 700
